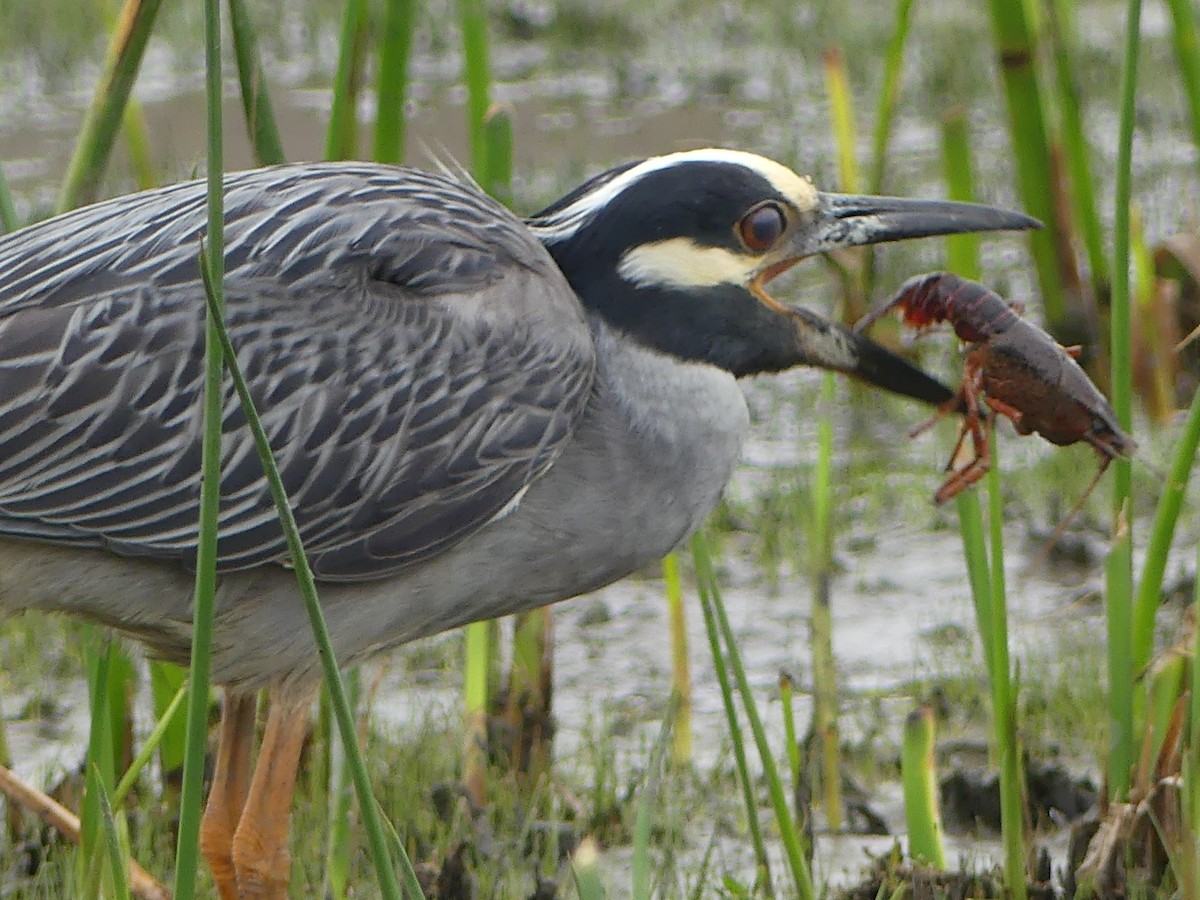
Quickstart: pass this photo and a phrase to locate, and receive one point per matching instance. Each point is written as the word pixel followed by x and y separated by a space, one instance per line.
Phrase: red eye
pixel 760 228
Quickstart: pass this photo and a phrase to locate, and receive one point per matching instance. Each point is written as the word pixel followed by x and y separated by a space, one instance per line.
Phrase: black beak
pixel 828 345
pixel 847 220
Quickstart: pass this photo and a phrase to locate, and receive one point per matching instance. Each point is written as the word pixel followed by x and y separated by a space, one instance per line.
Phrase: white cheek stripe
pixel 564 223
pixel 683 262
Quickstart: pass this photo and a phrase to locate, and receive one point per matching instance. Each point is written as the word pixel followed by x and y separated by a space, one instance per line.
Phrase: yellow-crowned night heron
pixel 472 414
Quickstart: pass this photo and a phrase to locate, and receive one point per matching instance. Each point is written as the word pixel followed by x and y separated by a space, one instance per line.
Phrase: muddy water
pixel 903 578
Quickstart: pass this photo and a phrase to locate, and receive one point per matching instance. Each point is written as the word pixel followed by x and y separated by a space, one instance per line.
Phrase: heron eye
pixel 760 228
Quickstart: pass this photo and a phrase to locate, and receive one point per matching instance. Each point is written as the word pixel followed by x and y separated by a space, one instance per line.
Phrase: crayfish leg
pixel 1007 409
pixel 976 424
pixel 1074 511
pixel 954 404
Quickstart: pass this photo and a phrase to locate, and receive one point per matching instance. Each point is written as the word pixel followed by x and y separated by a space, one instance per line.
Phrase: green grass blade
pixel 962 250
pixel 342 139
pixel 476 683
pixel 167 683
pixel 825 683
pixel 889 94
pixel 256 98
pixel 710 599
pixel 498 136
pixel 477 74
pixel 117 857
pixel 1017 51
pixel 763 875
pixel 8 212
pixel 213 272
pixel 1074 138
pixel 1162 534
pixel 168 721
pixel 377 837
pixel 137 143
pixel 1119 566
pixel 494 172
pixel 1191 768
pixel 399 23
pixel 1185 27
pixel 412 885
pixel 1004 700
pixel 647 806
pixel 338 849
pixel 99 654
pixel 841 114
pixel 787 693
pixel 103 118
pixel 962 256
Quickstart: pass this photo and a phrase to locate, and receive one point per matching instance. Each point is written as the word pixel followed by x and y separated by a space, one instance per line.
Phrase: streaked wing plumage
pixel 417 359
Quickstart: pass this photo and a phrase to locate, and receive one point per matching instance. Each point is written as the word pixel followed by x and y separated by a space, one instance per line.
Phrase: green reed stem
pixel 100 757
pixel 368 808
pixel 103 118
pixel 137 144
pixel 342 138
pixel 477 74
pixel 167 682
pixel 763 874
pixel 399 23
pixel 1004 698
pixel 841 115
pixel 1162 534
pixel 498 136
pixel 1186 26
pixel 787 695
pixel 825 684
pixel 648 807
pixel 166 721
pixel 261 126
pixel 480 658
pixel 681 672
pixel 338 847
pixel 1074 138
pixel 117 854
pixel 919 776
pixel 962 256
pixel 710 600
pixel 962 250
pixel 1017 51
pixel 213 273
pixel 1119 566
pixel 476 678
pixel 889 95
pixel 987 584
pixel 1191 765
pixel 8 212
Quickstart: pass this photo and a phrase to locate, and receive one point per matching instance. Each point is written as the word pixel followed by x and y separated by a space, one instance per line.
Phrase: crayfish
pixel 1012 366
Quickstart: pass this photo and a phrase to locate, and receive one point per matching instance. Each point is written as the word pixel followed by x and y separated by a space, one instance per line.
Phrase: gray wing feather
pixel 415 355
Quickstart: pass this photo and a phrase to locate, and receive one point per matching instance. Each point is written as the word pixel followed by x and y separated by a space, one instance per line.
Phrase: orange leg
pixel 260 844
pixel 978 426
pixel 943 410
pixel 227 796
